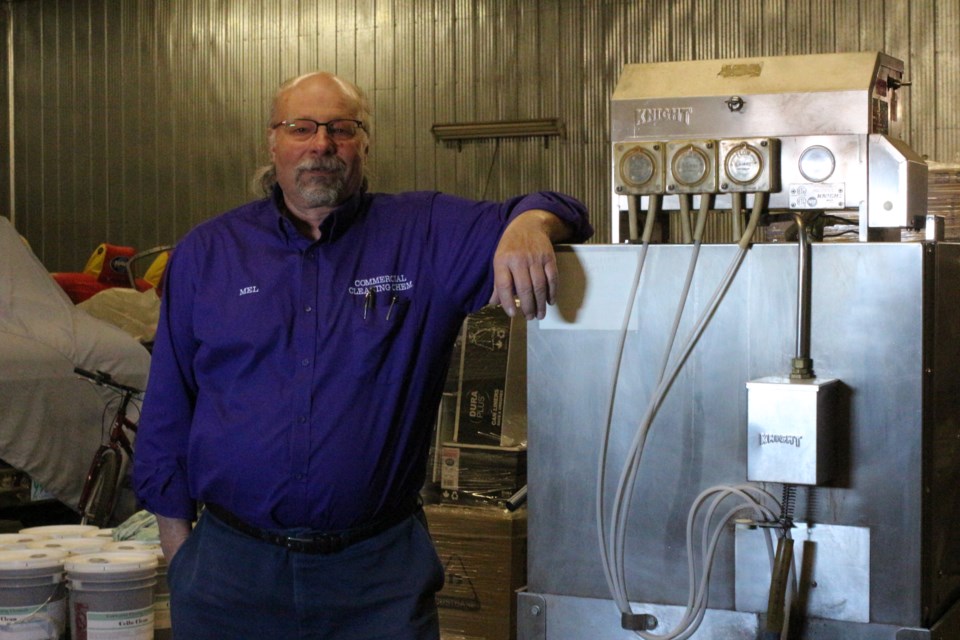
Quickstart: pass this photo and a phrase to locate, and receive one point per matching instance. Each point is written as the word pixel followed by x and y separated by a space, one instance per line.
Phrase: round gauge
pixel 817 163
pixel 690 165
pixel 637 167
pixel 743 164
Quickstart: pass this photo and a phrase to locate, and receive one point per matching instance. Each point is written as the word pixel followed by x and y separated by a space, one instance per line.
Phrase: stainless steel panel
pixel 898 183
pixel 875 327
pixel 840 113
pixel 836 582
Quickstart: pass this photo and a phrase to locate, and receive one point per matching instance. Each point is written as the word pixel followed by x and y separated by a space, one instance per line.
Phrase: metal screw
pixel 619 188
pixel 763 143
pixel 535 610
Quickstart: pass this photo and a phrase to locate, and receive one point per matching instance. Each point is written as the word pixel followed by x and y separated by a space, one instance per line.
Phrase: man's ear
pixel 272 146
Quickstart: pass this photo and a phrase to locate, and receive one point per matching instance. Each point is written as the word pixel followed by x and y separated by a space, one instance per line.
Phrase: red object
pixel 79 286
pixel 107 267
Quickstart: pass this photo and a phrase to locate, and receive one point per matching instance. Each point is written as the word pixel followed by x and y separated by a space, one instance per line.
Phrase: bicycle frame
pixel 118 444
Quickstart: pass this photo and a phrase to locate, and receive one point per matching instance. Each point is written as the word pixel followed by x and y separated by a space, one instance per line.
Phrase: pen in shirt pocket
pixel 368 304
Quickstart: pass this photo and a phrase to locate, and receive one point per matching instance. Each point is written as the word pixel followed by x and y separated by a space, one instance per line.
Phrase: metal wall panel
pixel 8 170
pixel 134 120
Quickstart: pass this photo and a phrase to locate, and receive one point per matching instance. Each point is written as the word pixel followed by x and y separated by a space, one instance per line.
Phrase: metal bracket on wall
pixel 459 131
pixel 531 617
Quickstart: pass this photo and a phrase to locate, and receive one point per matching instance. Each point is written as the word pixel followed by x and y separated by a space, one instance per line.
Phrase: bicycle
pixel 98 498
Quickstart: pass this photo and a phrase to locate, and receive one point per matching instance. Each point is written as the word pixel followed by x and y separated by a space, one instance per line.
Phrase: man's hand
pixel 173 533
pixel 525 266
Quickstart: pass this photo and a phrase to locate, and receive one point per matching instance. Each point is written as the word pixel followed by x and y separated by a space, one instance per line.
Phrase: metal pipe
pixel 802 363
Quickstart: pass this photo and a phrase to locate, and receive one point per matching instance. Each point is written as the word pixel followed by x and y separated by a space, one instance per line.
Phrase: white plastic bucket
pixel 72 545
pixel 161 592
pixel 111 595
pixel 18 540
pixel 33 603
pixel 61 530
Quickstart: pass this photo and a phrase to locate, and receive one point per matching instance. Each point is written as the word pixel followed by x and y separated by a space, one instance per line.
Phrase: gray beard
pixel 322 191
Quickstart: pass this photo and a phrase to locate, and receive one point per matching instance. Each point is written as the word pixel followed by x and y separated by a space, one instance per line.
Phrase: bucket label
pixel 136 624
pixel 33 622
pixel 161 611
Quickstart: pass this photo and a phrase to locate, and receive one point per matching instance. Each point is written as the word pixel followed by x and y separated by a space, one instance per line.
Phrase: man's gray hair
pixel 265 177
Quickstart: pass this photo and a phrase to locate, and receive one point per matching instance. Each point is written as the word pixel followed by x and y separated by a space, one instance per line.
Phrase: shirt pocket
pixel 381 344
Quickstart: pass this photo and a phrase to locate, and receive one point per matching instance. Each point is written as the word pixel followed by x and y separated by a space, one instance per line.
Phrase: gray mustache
pixel 323 164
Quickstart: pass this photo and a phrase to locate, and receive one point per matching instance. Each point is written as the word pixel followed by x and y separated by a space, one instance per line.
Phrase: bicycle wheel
pixel 103 494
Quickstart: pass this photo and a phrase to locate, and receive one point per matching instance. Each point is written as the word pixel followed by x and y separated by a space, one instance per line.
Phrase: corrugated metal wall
pixel 136 119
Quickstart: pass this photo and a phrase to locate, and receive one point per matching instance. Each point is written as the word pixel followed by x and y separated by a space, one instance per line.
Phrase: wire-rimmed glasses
pixel 303 129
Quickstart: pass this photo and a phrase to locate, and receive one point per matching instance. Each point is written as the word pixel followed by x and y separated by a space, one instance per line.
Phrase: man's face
pixel 320 172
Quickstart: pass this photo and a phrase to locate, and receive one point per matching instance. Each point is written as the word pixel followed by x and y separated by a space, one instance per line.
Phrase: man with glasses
pixel 298 366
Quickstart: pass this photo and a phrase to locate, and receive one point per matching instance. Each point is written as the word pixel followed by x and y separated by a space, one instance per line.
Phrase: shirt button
pixel 305 361
pixel 308 309
pixel 299 476
pixel 303 419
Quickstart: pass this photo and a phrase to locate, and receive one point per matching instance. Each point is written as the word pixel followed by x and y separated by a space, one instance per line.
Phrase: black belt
pixel 322 543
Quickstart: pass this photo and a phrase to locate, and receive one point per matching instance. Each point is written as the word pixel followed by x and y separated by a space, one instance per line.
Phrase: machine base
pixel 546 616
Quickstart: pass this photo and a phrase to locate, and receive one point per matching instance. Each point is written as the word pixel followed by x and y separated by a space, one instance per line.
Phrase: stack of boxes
pixel 478 462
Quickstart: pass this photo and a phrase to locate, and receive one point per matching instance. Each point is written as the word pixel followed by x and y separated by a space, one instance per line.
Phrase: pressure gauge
pixel 744 164
pixel 638 168
pixel 690 165
pixel 817 163
pixel 750 165
pixel 693 166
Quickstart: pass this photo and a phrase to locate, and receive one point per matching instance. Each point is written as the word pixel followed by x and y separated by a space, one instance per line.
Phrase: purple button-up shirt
pixel 295 383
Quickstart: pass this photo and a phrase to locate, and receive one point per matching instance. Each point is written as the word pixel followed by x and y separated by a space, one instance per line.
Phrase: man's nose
pixel 322 142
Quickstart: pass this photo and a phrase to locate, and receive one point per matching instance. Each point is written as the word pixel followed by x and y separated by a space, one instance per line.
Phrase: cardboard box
pixel 491 380
pixel 484 555
pixel 479 475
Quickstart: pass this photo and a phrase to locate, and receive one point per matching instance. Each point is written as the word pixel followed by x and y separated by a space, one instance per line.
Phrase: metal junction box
pixel 789 430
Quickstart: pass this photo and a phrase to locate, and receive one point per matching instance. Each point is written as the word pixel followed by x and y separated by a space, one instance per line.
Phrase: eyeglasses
pixel 303 129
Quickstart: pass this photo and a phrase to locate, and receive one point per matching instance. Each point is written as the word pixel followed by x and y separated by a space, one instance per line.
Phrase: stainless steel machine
pixel 732 439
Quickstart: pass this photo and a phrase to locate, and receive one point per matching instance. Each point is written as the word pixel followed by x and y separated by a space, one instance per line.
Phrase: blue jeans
pixel 225 584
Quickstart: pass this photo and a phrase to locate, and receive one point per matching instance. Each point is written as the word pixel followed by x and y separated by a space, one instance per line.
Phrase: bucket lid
pixel 19 538
pixel 12 559
pixel 110 562
pixel 61 530
pixel 71 545
pixel 133 545
pixel 139 546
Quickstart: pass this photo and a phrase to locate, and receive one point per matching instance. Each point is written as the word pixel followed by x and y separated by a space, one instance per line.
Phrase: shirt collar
pixel 333 226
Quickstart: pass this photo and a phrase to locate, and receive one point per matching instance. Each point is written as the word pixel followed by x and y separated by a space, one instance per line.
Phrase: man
pixel 297 370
